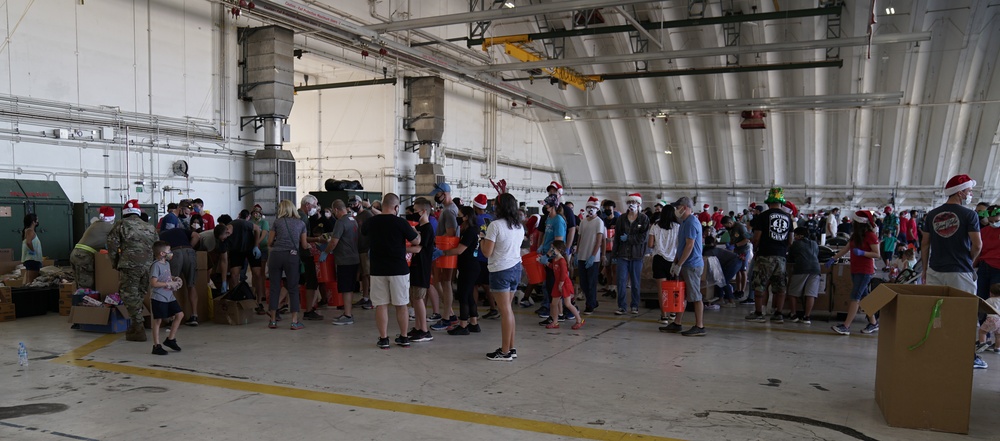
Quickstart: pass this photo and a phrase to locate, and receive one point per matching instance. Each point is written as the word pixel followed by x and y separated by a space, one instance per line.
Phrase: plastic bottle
pixel 22 355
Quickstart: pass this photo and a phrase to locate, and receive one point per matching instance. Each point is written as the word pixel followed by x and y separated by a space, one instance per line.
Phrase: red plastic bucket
pixel 535 270
pixel 324 272
pixel 671 296
pixel 445 243
pixel 610 242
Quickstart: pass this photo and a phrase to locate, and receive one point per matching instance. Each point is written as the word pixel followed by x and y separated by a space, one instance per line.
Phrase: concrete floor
pixel 616 378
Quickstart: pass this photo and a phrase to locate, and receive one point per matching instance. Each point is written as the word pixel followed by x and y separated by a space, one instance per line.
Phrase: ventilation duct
pixel 425 96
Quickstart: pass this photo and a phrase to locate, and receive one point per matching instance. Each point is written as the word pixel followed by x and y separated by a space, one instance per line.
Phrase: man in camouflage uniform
pixel 93 240
pixel 130 247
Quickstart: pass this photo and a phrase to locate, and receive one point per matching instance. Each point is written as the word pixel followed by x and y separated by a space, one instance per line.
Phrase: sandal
pixel 578 325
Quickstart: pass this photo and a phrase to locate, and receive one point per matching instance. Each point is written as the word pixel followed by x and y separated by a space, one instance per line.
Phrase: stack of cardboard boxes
pixel 66 291
pixel 6 305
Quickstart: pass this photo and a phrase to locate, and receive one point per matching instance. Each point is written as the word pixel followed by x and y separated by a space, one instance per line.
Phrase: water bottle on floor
pixel 22 355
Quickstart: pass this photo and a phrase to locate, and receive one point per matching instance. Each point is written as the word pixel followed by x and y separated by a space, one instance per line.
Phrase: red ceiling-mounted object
pixel 383 52
pixel 753 119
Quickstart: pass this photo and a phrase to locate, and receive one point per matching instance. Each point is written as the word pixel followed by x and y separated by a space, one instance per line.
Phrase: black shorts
pixel 236 259
pixel 661 267
pixel 484 274
pixel 347 278
pixel 162 310
pixel 308 271
pixel 32 265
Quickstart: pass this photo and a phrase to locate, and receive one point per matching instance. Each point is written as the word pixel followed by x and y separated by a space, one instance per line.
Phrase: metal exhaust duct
pixel 426 119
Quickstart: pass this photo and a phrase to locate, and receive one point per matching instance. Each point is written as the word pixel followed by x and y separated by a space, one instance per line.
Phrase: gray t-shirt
pixel 287 231
pixel 161 272
pixel 346 231
pixel 447 219
pixel 363 242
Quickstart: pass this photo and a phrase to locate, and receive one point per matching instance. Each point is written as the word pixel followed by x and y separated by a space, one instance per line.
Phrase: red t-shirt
pixel 862 264
pixel 717 219
pixel 562 275
pixel 704 217
pixel 991 246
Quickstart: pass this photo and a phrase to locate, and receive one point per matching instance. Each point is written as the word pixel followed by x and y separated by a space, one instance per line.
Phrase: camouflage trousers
pixel 133 286
pixel 83 267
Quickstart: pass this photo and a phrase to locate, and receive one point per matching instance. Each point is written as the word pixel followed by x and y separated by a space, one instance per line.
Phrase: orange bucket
pixel 335 298
pixel 610 242
pixel 324 272
pixel 534 269
pixel 445 243
pixel 672 296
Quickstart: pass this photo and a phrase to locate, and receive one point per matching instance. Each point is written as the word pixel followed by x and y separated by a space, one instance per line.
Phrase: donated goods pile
pixel 49 277
pixel 92 313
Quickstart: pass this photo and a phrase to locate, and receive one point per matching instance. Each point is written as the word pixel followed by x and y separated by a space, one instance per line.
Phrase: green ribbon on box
pixel 935 314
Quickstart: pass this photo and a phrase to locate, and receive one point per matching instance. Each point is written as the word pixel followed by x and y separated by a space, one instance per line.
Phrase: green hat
pixel 775 196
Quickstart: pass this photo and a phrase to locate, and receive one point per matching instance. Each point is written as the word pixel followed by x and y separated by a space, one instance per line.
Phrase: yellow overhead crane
pixel 517 47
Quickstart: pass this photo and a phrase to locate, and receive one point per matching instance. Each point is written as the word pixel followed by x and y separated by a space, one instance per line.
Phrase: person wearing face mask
pixel 31 248
pixel 982 210
pixel 555 229
pixel 309 212
pixel 447 226
pixel 588 255
pixel 199 208
pixel 184 265
pixel 185 210
pixel 257 218
pixel 988 268
pixel 609 215
pixel 628 250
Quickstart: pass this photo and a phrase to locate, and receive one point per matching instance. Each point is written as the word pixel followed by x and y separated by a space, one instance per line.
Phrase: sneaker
pixel 260 309
pixel 542 312
pixel 635 311
pixel 403 341
pixel 977 363
pixel 756 317
pixel 412 332
pixel 193 321
pixel 588 311
pixel 272 325
pixel 729 304
pixel 296 326
pixel 553 325
pixel 664 319
pixel 498 355
pixel 870 329
pixel 569 316
pixel 777 318
pixel 492 314
pixel 383 343
pixel 412 314
pixel 433 317
pixel 546 322
pixel 441 325
pixel 421 336
pixel 172 344
pixel 981 347
pixel 841 329
pixel 527 302
pixel 513 353
pixel 312 315
pixel 158 350
pixel 712 307
pixel 578 325
pixel 562 317
pixel 673 327
pixel 796 319
pixel 807 320
pixel 694 332
pixel 475 328
pixel 459 330
pixel 366 304
pixel 344 320
pixel 620 311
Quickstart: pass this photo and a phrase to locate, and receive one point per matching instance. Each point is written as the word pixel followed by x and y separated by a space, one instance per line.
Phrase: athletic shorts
pixel 162 310
pixel 661 267
pixel 236 259
pixel 803 285
pixel 417 293
pixel 390 289
pixel 32 265
pixel 347 278
pixel 769 271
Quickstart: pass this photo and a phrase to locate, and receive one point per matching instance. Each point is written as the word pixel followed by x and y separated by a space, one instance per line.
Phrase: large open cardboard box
pixel 105 275
pixel 929 385
pixel 100 318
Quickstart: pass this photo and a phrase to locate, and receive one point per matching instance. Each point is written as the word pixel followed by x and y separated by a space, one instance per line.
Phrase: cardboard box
pixel 925 385
pixel 14 283
pixel 230 312
pixel 48 262
pixel 6 254
pixel 100 319
pixel 105 275
pixel 203 310
pixel 66 291
pixel 5 296
pixel 7 312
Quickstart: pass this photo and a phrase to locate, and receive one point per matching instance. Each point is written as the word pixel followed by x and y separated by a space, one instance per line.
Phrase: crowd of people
pixel 393 258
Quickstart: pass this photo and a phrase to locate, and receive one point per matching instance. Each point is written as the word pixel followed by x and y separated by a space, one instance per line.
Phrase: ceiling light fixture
pixel 567 118
pixel 508 5
pixel 668 152
pixel 890 10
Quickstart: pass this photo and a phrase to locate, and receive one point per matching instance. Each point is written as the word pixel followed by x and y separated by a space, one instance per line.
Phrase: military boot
pixel 136 332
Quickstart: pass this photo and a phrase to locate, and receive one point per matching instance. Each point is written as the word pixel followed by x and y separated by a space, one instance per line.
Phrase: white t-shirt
pixel 587 231
pixel 994 302
pixel 506 245
pixel 832 223
pixel 665 241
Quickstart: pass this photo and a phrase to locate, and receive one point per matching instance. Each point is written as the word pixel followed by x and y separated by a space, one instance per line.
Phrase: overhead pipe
pixel 740 103
pixel 722 70
pixel 836 9
pixel 374 82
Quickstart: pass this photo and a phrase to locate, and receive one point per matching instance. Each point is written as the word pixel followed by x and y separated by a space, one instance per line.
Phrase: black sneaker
pixel 588 311
pixel 492 314
pixel 513 353
pixel 312 315
pixel 422 336
pixel 193 321
pixel 562 317
pixel 172 344
pixel 807 320
pixel 475 328
pixel 158 350
pixel 673 327
pixel 260 309
pixel 459 330
pixel 777 318
pixel 498 355
pixel 694 332
pixel 383 343
pixel 545 322
pixel 403 341
pixel 433 317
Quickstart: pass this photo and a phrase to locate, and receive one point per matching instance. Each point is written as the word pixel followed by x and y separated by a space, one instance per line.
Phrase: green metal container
pixel 54 210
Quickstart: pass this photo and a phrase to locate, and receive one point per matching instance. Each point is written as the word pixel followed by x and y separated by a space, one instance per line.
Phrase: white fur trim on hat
pixel 593 202
pixel 131 207
pixel 480 201
pixel 634 197
pixel 860 217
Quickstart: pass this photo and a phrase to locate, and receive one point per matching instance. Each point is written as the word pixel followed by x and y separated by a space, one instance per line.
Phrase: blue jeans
pixel 628 270
pixel 729 273
pixel 588 281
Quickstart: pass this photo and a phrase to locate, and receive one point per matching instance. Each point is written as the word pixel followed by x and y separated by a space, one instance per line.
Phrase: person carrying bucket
pixel 688 266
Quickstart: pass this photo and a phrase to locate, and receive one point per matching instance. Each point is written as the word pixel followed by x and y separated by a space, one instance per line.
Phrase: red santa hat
pixel 131 207
pixel 531 223
pixel 957 184
pixel 107 213
pixel 634 197
pixel 557 186
pixel 480 201
pixel 792 209
pixel 593 202
pixel 864 217
pixel 704 207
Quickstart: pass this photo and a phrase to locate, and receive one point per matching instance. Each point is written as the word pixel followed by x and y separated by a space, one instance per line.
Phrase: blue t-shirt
pixel 169 221
pixel 690 229
pixel 949 226
pixel 554 226
pixel 484 221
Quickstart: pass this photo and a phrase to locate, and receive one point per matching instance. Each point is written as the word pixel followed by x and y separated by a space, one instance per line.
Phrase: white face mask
pixel 995 224
pixel 591 211
pixel 968 198
pixel 312 211
pixel 632 206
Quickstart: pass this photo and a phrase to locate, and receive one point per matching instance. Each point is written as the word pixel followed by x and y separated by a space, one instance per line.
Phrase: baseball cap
pixel 442 187
pixel 684 201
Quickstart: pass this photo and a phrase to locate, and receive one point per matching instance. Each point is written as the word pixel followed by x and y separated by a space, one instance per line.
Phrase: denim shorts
pixel 506 280
pixel 860 289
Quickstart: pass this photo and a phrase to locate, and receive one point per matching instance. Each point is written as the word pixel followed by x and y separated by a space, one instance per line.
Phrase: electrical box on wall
pixel 61 133
pixel 107 133
pixel 286 133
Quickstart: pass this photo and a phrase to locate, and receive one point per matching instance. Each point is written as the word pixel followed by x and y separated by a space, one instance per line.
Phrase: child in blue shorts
pixel 164 304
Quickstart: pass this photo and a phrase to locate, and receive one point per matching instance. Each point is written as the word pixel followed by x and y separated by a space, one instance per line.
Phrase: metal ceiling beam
pixel 709 52
pixel 722 69
pixel 373 82
pixel 497 14
pixel 638 26
pixel 652 26
pixel 744 103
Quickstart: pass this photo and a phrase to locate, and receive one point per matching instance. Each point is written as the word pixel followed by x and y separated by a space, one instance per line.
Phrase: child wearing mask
pixel 864 249
pixel 562 289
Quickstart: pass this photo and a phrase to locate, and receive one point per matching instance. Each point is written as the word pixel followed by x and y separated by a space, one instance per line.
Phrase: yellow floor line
pixel 73 358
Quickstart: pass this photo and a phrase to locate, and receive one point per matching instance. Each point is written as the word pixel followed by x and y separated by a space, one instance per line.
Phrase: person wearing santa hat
pixel 588 256
pixel 628 250
pixel 479 204
pixel 889 234
pixel 705 218
pixel 772 236
pixel 864 248
pixel 94 239
pixel 130 248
